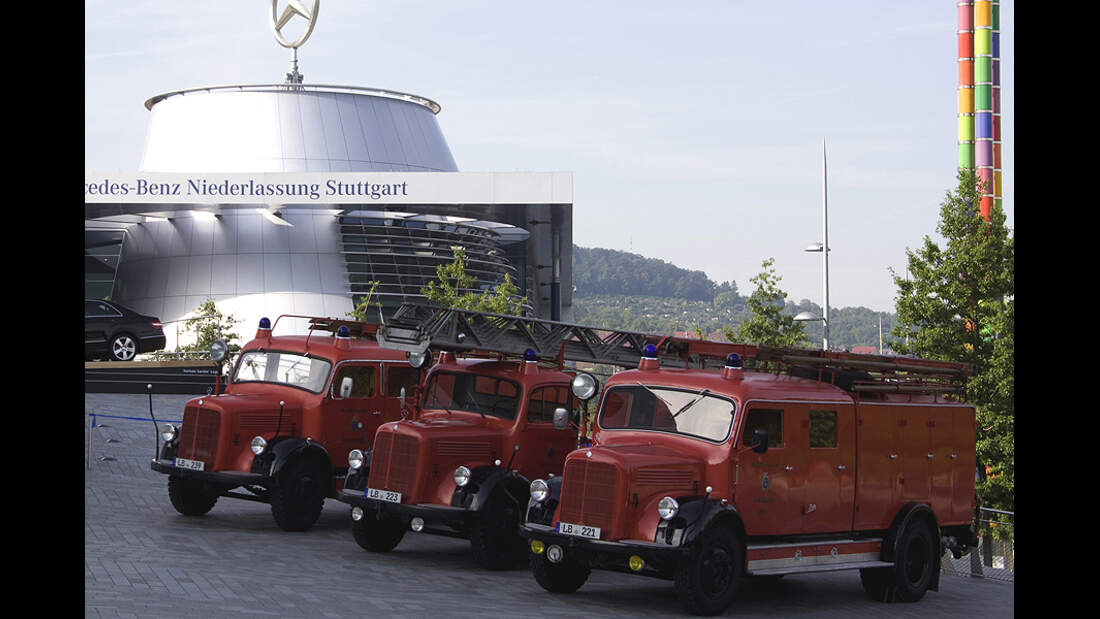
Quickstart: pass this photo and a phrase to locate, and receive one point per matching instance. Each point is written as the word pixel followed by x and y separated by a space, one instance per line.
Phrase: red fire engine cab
pixel 811 461
pixel 461 466
pixel 293 406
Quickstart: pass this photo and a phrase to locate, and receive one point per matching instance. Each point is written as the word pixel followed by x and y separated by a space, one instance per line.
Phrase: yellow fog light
pixel 636 563
pixel 537 547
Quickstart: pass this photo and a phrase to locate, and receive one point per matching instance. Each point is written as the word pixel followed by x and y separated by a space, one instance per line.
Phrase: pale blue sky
pixel 693 129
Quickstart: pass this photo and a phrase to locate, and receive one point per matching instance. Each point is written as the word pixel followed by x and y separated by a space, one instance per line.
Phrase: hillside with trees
pixel 622 290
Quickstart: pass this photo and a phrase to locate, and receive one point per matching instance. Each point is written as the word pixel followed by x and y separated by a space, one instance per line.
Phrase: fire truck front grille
pixel 664 478
pixel 393 463
pixel 199 436
pixel 588 494
pixel 473 451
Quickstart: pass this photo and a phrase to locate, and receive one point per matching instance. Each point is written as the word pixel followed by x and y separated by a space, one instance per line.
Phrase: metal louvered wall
pixel 402 255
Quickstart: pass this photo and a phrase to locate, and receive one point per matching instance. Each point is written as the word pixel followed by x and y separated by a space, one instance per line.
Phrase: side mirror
pixel 345 387
pixel 561 419
pixel 402 397
pixel 760 440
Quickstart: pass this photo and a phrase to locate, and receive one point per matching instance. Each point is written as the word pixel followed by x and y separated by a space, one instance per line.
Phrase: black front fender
pixel 697 515
pixel 291 448
pixel 487 480
pixel 543 512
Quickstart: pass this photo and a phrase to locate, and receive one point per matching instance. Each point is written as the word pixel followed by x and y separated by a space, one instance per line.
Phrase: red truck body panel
pixel 217 430
pixel 839 464
pixel 417 457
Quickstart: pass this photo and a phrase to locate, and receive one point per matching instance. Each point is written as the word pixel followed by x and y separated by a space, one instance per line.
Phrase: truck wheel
pixel 912 572
pixel 378 534
pixel 495 536
pixel 708 579
pixel 297 498
pixel 189 497
pixel 564 577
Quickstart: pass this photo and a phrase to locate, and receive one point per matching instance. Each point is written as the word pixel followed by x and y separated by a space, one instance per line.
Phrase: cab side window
pixel 823 429
pixel 362 377
pixel 398 376
pixel 770 419
pixel 543 401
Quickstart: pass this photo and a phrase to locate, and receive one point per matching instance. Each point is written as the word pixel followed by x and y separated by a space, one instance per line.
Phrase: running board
pixel 814 556
pixel 831 567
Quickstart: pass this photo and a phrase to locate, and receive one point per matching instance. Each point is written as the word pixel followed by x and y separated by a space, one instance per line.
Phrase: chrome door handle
pixel 377 413
pixel 790 468
pixel 893 456
pixel 841 467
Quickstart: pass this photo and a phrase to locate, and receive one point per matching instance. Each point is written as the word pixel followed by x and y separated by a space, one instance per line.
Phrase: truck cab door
pixel 350 422
pixel 770 486
pixel 397 376
pixel 830 468
pixel 542 446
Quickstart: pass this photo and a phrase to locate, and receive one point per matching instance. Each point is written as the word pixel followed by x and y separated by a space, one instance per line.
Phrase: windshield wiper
pixel 702 394
pixel 657 395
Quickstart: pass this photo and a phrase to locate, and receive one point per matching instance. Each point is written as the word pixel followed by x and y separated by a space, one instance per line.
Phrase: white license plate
pixel 194 465
pixel 578 530
pixel 383 495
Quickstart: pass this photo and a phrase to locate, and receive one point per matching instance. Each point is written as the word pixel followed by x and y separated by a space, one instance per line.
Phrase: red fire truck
pixel 810 461
pixel 462 464
pixel 292 407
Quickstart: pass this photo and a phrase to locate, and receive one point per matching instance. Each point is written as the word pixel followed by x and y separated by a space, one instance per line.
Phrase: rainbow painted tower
pixel 980 95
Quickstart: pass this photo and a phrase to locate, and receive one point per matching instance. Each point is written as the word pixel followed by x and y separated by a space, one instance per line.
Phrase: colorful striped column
pixel 966 85
pixel 979 94
pixel 997 187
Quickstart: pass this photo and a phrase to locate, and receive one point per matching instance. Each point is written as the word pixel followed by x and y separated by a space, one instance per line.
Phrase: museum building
pixel 299 199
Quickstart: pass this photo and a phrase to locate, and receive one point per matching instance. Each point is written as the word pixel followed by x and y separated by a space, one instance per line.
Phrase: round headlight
pixel 462 476
pixel 667 508
pixel 168 433
pixel 258 445
pixel 539 490
pixel 355 459
pixel 585 386
pixel 218 351
pixel 418 359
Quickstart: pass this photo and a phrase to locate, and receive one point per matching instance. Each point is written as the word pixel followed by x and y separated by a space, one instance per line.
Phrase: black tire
pixel 495 536
pixel 378 534
pixel 189 497
pixel 913 570
pixel 564 577
pixel 708 579
pixel 123 347
pixel 297 499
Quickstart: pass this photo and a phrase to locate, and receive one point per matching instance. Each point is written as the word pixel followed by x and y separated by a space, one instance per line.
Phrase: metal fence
pixel 995 556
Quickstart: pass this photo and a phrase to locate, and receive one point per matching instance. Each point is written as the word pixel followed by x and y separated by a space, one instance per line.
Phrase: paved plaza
pixel 142 559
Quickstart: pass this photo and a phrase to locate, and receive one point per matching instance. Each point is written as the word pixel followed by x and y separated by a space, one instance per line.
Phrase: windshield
pixel 283 368
pixel 694 413
pixel 487 395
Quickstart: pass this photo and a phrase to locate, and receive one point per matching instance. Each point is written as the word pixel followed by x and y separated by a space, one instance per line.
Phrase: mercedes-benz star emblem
pixel 292 8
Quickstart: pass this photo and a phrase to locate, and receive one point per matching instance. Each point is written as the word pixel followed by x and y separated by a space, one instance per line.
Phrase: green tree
pixel 208 323
pixel 452 289
pixel 768 325
pixel 957 304
pixel 365 303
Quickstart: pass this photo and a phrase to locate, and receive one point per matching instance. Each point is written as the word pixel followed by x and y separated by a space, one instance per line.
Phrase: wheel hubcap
pixel 124 348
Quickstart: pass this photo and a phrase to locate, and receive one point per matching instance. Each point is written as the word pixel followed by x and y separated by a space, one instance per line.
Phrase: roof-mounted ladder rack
pixel 416 327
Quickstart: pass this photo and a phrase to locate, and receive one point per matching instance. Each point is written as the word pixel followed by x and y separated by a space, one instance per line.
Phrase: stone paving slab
pixel 142 559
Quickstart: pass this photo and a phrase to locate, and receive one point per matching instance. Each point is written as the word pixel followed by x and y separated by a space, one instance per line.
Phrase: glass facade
pixel 102 249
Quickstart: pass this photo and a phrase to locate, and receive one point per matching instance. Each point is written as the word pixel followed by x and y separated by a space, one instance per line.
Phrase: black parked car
pixel 118 333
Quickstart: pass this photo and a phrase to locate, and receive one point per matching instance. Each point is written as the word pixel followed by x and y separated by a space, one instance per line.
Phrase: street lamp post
pixel 823 247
